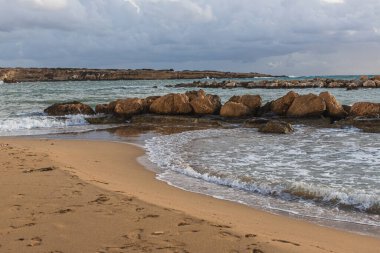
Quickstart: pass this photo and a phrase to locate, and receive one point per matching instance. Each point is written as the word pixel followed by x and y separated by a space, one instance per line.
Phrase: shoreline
pixel 278 232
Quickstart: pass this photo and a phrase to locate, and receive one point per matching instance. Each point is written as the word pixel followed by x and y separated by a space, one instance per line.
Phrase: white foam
pixel 23 125
pixel 270 168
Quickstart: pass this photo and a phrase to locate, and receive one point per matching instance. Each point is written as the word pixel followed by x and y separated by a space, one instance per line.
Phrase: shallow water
pixel 327 174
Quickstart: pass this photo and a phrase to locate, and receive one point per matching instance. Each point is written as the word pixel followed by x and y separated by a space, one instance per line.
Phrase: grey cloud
pixel 278 36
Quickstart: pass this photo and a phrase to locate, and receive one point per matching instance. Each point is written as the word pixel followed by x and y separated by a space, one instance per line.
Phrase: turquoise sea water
pixel 338 168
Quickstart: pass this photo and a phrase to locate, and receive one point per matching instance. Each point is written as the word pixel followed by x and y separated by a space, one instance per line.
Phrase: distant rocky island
pixel 15 75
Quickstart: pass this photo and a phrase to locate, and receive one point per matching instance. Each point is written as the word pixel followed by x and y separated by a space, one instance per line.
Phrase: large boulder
pixel 309 105
pixel 281 105
pixel 129 107
pixel 369 84
pixel 253 102
pixel 171 104
pixel 75 107
pixel 365 109
pixel 277 127
pixel 203 103
pixel 234 110
pixel 148 101
pixel 333 107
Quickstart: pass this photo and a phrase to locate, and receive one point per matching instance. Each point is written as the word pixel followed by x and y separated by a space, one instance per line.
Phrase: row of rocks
pixel 363 82
pixel 292 105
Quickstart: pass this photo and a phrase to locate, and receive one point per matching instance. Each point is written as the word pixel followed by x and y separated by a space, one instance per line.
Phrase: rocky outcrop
pixel 309 105
pixel 333 107
pixel 364 82
pixel 277 127
pixel 12 75
pixel 171 104
pixel 129 107
pixel 70 108
pixel 281 105
pixel 234 110
pixel 203 103
pixel 365 109
pixel 253 102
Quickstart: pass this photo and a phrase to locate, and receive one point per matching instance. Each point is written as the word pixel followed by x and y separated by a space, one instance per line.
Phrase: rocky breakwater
pixel 248 110
pixel 363 82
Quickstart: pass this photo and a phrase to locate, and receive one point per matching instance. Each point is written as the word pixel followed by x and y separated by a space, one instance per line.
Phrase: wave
pixel 34 121
pixel 172 153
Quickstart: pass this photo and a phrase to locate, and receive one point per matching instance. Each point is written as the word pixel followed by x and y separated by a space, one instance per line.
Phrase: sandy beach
pixel 93 196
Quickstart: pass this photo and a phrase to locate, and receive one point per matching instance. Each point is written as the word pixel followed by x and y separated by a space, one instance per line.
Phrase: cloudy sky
pixel 293 37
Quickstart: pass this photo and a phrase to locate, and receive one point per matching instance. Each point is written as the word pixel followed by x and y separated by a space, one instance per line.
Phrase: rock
pixel 148 101
pixel 369 84
pixel 347 108
pixel 365 109
pixel 333 107
pixel 230 84
pixel 253 102
pixel 75 107
pixel 171 104
pixel 255 122
pixel 234 110
pixel 203 103
pixel 102 108
pixel 376 78
pixel 265 110
pixel 364 79
pixel 352 86
pixel 128 107
pixel 281 105
pixel 194 94
pixel 309 105
pixel 109 119
pixel 277 127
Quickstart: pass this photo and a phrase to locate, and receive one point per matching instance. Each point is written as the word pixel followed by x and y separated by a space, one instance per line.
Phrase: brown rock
pixel 74 107
pixel 204 104
pixel 128 107
pixel 333 107
pixel 364 79
pixel 369 84
pixel 194 94
pixel 277 127
pixel 102 108
pixel 281 105
pixel 253 102
pixel 148 101
pixel 365 109
pixel 376 78
pixel 234 110
pixel 309 105
pixel 171 104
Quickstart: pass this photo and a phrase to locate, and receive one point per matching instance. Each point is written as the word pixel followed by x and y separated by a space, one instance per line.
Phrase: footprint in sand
pixel 35 241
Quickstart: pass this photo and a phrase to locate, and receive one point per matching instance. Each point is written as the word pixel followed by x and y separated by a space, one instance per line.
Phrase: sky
pixel 291 37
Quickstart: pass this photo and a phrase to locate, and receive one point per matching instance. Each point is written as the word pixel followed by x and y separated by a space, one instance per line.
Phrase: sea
pixel 327 176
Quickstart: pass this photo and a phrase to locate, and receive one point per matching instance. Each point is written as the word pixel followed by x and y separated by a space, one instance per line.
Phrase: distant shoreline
pixel 17 75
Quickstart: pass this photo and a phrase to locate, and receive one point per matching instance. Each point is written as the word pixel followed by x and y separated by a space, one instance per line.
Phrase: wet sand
pixel 93 196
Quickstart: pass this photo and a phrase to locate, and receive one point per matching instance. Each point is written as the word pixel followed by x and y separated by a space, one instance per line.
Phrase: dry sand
pixel 93 196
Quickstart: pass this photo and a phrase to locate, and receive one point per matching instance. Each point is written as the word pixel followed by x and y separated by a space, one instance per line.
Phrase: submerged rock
pixel 277 127
pixel 69 108
pixel 309 105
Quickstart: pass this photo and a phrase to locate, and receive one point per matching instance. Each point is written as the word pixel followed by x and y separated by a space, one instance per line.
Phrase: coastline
pixel 114 168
